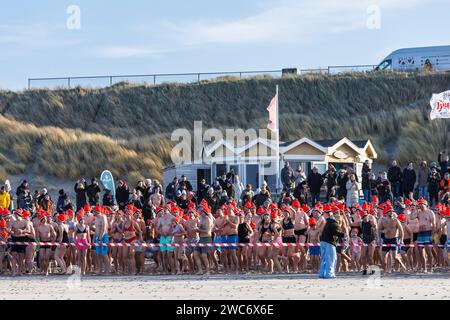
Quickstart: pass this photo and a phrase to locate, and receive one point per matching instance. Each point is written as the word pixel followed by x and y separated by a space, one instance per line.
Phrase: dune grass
pixel 126 128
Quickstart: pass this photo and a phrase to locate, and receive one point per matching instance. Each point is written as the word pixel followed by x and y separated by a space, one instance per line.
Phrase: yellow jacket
pixel 5 200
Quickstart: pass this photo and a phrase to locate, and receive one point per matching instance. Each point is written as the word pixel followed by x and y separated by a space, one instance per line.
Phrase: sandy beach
pixel 253 287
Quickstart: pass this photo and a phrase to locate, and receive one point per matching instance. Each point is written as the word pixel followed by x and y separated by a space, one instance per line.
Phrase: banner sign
pixel 107 180
pixel 440 105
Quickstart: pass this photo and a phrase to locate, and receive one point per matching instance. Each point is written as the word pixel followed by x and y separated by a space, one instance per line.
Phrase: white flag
pixel 440 105
pixel 272 125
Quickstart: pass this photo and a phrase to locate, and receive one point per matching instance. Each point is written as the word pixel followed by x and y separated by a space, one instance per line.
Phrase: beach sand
pixel 221 287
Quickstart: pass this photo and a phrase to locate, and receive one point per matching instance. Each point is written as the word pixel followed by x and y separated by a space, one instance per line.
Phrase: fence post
pixel 68 82
pixel 110 81
pixel 198 78
pixel 29 84
pixel 154 79
pixel 240 75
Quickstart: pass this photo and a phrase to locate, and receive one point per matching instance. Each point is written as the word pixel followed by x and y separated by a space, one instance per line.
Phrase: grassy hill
pixel 79 132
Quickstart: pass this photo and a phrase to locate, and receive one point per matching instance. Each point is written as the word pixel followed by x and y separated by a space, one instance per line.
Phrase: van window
pixel 385 65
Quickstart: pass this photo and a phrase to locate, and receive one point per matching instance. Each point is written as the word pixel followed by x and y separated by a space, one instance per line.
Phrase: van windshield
pixel 385 65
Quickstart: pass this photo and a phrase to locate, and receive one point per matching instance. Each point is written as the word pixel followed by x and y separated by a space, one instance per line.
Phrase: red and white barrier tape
pixel 259 244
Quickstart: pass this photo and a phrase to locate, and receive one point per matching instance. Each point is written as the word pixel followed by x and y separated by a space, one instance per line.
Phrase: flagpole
pixel 278 146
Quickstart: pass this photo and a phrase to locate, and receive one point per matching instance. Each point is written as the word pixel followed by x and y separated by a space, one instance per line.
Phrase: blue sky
pixel 175 36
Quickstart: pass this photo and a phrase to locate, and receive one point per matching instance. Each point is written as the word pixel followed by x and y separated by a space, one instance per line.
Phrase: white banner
pixel 440 105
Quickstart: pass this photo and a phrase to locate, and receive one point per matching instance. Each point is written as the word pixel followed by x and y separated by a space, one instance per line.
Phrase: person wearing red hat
pixel 244 234
pixel 393 233
pixel 269 231
pixel 62 231
pixel 289 254
pixel 178 238
pixel 405 251
pixel 117 237
pixel 164 229
pixel 313 236
pixel 82 242
pixel 205 225
pixel 369 231
pixel 300 228
pixel 192 238
pixel 427 224
pixel 219 237
pixel 45 233
pixel 4 237
pixel 230 231
pixel 139 251
pixel 101 239
pixel 20 229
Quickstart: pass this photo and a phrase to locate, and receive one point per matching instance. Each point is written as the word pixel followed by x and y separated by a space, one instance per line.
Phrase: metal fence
pixel 197 77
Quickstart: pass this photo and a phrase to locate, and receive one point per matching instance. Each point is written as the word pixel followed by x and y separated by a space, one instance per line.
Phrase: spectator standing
pixel 409 181
pixel 331 177
pixel 202 189
pixel 315 182
pixel 352 191
pixel 122 194
pixel 287 176
pixel 80 193
pixel 422 180
pixel 300 175
pixel 172 188
pixel 394 176
pixel 93 192
pixel 60 203
pixel 185 184
pixel 444 163
pixel 365 183
pixel 434 178
pixel 342 184
pixel 5 199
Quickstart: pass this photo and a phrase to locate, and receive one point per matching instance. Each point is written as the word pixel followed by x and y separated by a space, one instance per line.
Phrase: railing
pixel 197 77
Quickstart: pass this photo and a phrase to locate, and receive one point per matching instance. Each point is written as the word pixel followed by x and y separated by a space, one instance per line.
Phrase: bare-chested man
pixel 427 225
pixel 230 232
pixel 20 230
pixel 219 237
pixel 46 233
pixel 191 227
pixel 101 240
pixel 300 229
pixel 393 235
pixel 205 226
pixel 165 230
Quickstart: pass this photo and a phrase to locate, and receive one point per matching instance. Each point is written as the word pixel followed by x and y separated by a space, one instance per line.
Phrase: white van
pixel 417 59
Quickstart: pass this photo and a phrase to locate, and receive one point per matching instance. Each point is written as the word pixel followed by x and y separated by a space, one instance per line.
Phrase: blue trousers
pixel 328 262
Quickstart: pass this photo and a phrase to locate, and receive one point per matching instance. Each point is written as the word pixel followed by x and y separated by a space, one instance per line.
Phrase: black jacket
pixel 80 197
pixel 409 179
pixel 394 174
pixel 315 182
pixel 445 165
pixel 331 177
pixel 122 196
pixel 365 175
pixel 331 233
pixel 93 193
pixel 260 198
pixel 108 199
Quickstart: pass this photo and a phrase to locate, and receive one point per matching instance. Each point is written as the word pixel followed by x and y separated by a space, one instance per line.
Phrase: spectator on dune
pixel 373 185
pixel 185 184
pixel 108 198
pixel 300 175
pixel 202 189
pixel 41 197
pixel 409 181
pixel 331 177
pixel 342 184
pixel 395 175
pixel 136 199
pixel 444 185
pixel 315 182
pixel 5 199
pixel 238 187
pixel 60 203
pixel 248 194
pixel 422 180
pixel 80 193
pixel 122 194
pixel 47 204
pixel 444 162
pixel 20 192
pixel 365 183
pixel 262 196
pixel 384 188
pixel 287 176
pixel 352 191
pixel 140 186
pixel 301 192
pixel 212 199
pixel 25 200
pixel 157 199
pixel 93 192
pixel 434 178
pixel 171 189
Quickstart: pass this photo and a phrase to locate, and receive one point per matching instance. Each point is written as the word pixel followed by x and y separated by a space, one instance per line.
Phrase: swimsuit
pixel 166 240
pixel 243 232
pixel 368 232
pixel 424 237
pixel 204 250
pixel 392 241
pixel 301 232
